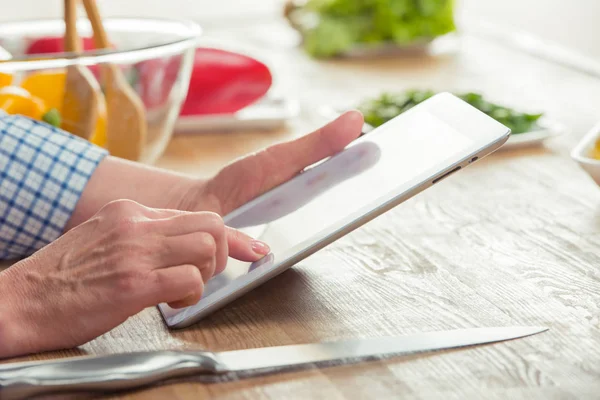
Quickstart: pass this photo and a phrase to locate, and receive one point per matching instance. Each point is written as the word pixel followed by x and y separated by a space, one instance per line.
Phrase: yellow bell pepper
pixel 16 100
pixel 48 86
pixel 5 79
pixel 99 136
pixel 40 92
pixel 596 150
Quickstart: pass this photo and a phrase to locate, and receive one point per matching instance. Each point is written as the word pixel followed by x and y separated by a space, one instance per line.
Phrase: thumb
pixel 244 248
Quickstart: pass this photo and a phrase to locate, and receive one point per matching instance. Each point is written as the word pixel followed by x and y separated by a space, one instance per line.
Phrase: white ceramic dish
pixel 581 153
pixel 547 129
pixel 446 44
pixel 270 113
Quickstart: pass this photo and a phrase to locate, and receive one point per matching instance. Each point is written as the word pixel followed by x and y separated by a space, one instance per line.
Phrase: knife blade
pixel 133 370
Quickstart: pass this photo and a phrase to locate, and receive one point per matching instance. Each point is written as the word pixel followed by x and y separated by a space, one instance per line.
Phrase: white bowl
pixel 581 153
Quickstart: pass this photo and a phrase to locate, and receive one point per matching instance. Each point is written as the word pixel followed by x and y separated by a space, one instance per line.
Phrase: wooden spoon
pixel 82 91
pixel 126 127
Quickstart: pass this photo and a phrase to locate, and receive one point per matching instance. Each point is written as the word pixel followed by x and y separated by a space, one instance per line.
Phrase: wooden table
pixel 512 240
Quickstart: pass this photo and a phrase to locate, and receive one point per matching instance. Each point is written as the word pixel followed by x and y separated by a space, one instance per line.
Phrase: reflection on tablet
pixel 307 187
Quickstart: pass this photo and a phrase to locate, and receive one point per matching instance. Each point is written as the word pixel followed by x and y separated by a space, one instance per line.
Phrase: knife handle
pixel 104 373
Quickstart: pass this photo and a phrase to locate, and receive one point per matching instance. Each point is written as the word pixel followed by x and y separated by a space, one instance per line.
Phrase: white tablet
pixel 330 199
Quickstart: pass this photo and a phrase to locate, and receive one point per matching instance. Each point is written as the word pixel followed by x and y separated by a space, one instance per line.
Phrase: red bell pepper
pixel 55 44
pixel 224 82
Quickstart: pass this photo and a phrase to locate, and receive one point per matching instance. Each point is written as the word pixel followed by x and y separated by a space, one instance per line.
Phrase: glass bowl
pixel 155 57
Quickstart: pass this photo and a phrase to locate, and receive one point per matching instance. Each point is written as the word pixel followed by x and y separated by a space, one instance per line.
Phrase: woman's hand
pixel 258 173
pixel 125 258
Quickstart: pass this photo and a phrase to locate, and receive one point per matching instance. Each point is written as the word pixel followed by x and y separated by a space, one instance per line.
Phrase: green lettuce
pixel 343 24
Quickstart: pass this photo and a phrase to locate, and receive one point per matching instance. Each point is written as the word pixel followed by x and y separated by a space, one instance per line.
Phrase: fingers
pixel 178 241
pixel 244 248
pixel 194 256
pixel 229 242
pixel 277 164
pixel 179 286
pixel 292 157
pixel 198 249
pixel 176 223
pixel 182 224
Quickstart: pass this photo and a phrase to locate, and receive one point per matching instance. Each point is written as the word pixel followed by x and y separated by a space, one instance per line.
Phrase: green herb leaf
pixel 52 117
pixel 387 106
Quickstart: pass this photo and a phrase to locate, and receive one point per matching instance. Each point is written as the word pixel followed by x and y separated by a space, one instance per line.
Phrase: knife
pixel 133 370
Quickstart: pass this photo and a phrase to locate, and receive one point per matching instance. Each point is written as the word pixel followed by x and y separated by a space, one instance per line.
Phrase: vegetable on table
pixel 16 100
pixel 40 96
pixel 50 87
pixel 383 108
pixel 52 117
pixel 47 85
pixel 99 136
pixel 224 82
pixel 5 79
pixel 54 44
pixel 333 27
pixel 596 150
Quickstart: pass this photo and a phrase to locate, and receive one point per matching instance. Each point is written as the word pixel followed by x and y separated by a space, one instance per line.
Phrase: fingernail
pixel 260 248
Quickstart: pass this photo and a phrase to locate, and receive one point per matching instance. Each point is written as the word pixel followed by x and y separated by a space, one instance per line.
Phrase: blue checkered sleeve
pixel 43 172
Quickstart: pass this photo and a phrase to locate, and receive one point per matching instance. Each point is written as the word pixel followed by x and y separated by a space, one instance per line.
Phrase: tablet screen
pixel 294 216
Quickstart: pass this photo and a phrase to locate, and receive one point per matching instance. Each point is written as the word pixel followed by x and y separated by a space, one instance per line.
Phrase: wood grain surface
pixel 512 240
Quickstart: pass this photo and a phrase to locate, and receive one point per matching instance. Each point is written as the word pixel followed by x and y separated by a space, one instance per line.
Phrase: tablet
pixel 376 172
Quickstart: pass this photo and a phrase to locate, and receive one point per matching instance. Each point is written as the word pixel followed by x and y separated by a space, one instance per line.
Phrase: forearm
pixel 116 179
pixel 51 181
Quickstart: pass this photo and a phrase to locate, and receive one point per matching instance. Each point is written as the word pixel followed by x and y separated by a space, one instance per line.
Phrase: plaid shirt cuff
pixel 43 172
